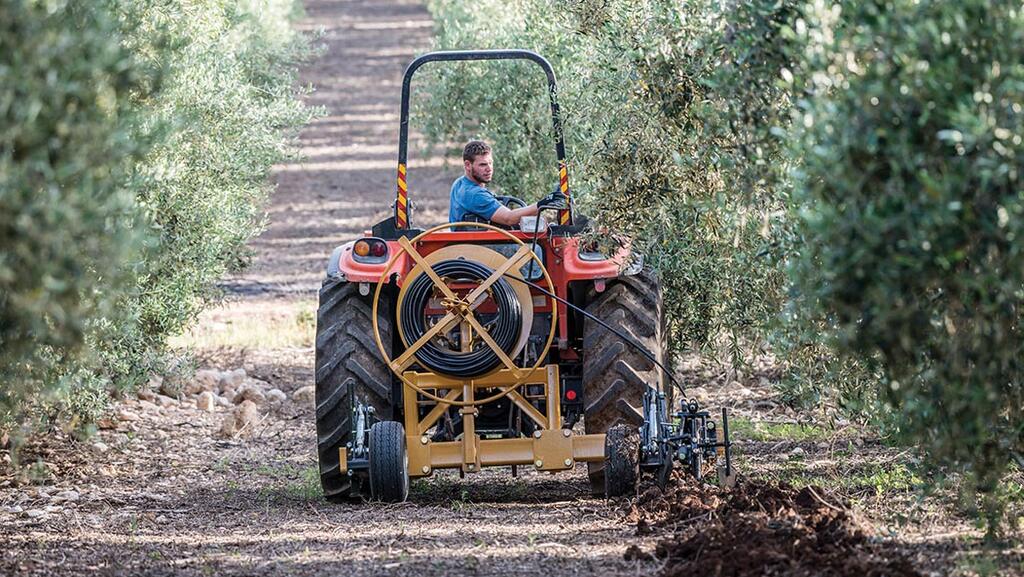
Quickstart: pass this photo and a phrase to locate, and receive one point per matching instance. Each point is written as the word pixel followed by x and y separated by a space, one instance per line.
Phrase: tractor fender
pixel 592 266
pixel 333 268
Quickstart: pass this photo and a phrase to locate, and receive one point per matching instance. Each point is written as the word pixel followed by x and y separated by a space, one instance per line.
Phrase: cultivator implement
pixel 687 437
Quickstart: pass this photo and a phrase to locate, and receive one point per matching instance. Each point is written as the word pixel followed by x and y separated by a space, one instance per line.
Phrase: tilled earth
pixel 757 528
pixel 165 489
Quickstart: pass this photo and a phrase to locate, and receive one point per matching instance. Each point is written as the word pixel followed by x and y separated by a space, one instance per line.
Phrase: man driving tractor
pixel 470 197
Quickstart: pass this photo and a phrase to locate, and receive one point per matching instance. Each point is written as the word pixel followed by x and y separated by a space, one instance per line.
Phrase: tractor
pixel 469 345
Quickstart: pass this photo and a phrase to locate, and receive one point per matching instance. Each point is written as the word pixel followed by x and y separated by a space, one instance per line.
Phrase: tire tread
pixel 347 363
pixel 614 373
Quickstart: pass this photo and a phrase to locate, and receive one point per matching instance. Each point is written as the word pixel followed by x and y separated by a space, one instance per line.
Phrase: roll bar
pixel 402 212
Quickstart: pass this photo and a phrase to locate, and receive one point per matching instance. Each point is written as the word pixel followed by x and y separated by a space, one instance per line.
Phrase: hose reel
pixel 470 361
pixel 454 282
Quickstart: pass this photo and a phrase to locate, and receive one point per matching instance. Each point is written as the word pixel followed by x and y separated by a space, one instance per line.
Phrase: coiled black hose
pixel 505 332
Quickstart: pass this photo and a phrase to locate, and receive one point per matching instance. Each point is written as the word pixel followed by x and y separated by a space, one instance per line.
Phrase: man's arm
pixel 510 217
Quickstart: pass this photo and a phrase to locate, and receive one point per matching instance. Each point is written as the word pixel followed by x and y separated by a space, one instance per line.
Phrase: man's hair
pixel 475 148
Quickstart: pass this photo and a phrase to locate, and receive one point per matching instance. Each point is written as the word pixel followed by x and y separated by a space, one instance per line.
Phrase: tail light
pixel 572 390
pixel 370 250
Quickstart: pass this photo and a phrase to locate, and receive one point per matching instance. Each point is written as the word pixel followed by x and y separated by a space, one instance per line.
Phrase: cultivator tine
pixel 726 476
pixel 664 474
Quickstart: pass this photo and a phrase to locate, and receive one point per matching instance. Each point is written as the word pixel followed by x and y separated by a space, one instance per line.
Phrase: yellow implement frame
pixel 552 448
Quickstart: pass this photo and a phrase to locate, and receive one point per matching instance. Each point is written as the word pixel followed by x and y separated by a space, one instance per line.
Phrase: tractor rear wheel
pixel 349 369
pixel 615 374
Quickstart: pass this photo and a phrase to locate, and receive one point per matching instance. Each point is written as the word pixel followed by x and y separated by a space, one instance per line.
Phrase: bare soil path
pixel 160 492
pixel 346 181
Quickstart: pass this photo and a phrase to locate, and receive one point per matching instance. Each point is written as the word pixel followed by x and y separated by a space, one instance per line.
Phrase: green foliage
pixel 671 115
pixel 67 221
pixel 910 207
pixel 864 480
pixel 227 94
pixel 742 428
pixel 134 157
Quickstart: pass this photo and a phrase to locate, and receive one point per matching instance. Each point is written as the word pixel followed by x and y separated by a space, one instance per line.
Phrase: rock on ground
pixel 206 401
pixel 249 391
pixel 242 420
pixel 126 415
pixel 230 380
pixel 276 397
pixel 205 380
pixel 304 396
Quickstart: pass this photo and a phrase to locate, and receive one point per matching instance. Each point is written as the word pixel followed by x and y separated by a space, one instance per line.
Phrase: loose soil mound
pixel 761 529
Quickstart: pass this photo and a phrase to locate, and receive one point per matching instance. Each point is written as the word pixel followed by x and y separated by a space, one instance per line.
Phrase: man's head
pixel 476 158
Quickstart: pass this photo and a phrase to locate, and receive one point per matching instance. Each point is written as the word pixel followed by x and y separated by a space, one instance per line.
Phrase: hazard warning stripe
pixel 402 202
pixel 563 175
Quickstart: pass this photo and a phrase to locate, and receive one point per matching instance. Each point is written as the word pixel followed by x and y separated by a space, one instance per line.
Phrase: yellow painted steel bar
pixel 502 452
pixel 554 398
pixel 415 255
pixel 499 378
pixel 406 358
pixel 531 411
pixel 512 262
pixel 551 448
pixel 430 418
pixel 494 346
pixel 469 440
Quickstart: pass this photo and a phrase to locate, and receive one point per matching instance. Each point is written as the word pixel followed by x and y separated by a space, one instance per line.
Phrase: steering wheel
pixel 511 202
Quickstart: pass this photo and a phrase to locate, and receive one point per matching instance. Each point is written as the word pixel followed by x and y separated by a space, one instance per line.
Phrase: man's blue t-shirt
pixel 469 197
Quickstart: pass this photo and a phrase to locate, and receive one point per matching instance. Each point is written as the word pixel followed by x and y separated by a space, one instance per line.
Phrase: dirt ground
pixel 159 491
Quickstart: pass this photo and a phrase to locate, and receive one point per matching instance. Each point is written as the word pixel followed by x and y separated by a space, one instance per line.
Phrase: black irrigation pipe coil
pixel 505 332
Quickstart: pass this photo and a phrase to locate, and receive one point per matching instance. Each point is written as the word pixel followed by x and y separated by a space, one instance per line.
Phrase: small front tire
pixel 621 459
pixel 389 462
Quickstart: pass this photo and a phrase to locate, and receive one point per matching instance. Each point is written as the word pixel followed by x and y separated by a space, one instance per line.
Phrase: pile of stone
pixel 245 400
pixel 40 502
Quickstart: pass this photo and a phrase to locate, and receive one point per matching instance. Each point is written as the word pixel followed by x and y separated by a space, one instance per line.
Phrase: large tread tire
pixel 349 368
pixel 389 462
pixel 615 374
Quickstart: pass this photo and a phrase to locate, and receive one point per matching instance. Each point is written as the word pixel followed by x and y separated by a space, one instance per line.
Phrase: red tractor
pixel 468 345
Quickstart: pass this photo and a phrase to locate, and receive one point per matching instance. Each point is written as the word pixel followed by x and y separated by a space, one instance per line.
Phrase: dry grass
pixel 253 324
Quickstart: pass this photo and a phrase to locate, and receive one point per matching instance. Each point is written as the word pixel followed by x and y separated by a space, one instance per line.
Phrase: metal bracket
pixel 688 436
pixel 552 449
